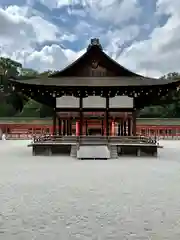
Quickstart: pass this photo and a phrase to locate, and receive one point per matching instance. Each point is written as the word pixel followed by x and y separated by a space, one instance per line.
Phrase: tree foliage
pixel 28 73
pixel 12 100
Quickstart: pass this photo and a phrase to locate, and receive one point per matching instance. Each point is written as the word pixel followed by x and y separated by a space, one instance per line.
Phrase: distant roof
pixel 96 81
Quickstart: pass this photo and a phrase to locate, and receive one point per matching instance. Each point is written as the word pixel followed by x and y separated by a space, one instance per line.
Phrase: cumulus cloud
pixel 115 11
pixel 21 31
pixel 50 57
pixel 36 40
pixel 160 53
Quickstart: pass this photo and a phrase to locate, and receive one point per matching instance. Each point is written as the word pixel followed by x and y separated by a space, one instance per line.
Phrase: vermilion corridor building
pixel 28 127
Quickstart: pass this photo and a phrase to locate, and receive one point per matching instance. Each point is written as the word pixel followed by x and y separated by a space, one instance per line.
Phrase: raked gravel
pixel 59 198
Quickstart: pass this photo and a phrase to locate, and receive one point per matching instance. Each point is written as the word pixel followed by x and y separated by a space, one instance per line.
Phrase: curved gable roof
pixel 95 50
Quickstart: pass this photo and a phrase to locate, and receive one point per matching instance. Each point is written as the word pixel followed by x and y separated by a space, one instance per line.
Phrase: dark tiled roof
pixel 96 81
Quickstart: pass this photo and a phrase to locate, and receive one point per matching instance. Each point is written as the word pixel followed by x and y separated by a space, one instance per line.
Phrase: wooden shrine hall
pixel 95 100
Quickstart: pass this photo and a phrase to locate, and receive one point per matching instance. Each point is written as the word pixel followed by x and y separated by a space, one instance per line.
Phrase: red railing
pixel 27 131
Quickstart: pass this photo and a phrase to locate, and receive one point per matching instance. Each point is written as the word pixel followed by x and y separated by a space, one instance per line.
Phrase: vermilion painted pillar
pixel 113 128
pixel 77 128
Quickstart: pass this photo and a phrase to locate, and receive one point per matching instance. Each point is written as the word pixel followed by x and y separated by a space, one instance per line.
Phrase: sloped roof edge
pixel 95 44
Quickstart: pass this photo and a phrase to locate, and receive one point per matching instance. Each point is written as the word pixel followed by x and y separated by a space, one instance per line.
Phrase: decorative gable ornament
pixel 94 42
pixel 94 64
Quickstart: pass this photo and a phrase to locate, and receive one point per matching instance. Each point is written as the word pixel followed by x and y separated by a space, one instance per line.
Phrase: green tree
pixel 10 68
pixel 27 73
pixel 169 105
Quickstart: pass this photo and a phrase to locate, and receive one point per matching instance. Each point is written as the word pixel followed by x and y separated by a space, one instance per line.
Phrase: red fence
pixel 27 131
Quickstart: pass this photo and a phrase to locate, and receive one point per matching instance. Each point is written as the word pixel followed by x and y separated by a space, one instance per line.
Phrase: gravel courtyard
pixel 55 198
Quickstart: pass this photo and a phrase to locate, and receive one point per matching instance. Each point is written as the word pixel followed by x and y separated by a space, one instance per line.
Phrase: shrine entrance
pixel 93 123
pixel 95 131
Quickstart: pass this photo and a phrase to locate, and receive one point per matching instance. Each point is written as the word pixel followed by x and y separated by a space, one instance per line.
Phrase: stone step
pixel 73 151
pixel 113 151
pixel 93 152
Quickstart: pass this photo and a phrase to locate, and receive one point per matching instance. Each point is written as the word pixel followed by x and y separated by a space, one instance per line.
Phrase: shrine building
pixel 95 88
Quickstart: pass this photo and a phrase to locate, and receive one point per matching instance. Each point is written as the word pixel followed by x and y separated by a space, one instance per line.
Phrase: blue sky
pixel 142 35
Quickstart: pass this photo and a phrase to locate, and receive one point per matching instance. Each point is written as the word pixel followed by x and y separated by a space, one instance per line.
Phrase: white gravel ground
pixel 55 198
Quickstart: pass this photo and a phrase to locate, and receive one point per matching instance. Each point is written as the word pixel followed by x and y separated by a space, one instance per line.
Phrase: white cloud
pixel 23 28
pixel 21 31
pixel 168 6
pixel 51 4
pixel 45 31
pixel 19 34
pixel 160 53
pixel 69 37
pixel 50 57
pixel 115 11
pixel 117 38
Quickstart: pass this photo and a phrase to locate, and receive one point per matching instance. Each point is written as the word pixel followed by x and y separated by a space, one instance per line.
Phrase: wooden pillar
pixel 102 127
pixel 59 126
pixel 54 122
pixel 134 122
pixel 122 127
pixel 112 128
pixel 119 128
pixel 129 126
pixel 80 116
pixel 125 121
pixel 107 116
pixel 64 127
pixel 77 128
pixel 67 127
pixel 70 126
pixel 86 127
